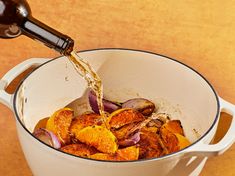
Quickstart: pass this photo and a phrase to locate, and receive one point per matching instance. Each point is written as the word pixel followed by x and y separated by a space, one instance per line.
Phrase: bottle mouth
pixel 64 45
pixel 69 46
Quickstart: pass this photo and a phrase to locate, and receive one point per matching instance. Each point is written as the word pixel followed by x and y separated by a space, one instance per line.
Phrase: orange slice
pixel 99 137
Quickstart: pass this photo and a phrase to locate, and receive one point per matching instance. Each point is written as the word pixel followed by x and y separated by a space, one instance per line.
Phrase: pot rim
pixel 135 161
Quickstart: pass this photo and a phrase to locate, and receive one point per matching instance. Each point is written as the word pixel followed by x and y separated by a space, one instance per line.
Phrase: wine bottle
pixel 16 19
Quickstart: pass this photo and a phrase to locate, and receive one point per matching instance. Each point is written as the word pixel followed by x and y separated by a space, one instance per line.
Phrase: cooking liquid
pixel 93 80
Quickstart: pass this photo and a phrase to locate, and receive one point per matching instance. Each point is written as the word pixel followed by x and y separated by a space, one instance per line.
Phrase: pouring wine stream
pixel 93 81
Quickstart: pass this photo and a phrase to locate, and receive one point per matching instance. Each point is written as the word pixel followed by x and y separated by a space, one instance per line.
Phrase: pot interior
pixel 175 88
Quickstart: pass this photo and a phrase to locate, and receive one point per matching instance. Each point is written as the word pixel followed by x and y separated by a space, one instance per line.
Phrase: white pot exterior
pixel 125 74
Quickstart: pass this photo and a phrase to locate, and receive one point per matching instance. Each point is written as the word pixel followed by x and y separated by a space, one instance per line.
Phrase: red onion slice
pixel 47 137
pixel 142 105
pixel 108 105
pixel 134 139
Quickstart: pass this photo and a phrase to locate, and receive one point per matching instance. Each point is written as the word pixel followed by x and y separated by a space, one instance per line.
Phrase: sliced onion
pixel 108 105
pixel 47 137
pixel 142 105
pixel 134 139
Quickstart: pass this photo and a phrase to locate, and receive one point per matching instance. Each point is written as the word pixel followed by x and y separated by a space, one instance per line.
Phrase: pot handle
pixel 224 143
pixel 6 98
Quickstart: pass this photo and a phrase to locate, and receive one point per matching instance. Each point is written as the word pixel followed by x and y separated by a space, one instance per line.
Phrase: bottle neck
pixel 36 30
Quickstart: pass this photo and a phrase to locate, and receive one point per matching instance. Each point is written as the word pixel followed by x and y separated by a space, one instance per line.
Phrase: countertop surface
pixel 197 33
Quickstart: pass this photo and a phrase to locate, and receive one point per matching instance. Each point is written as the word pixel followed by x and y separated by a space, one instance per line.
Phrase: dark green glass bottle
pixel 16 19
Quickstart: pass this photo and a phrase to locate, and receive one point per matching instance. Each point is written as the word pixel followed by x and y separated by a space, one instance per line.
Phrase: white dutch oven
pixel 125 73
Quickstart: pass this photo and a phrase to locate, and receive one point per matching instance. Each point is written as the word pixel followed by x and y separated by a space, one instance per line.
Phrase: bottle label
pixel 11 31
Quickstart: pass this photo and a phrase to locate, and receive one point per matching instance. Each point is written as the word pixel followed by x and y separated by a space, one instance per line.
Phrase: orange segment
pixel 183 141
pixel 129 153
pixel 126 154
pixel 83 121
pixel 41 123
pixel 103 156
pixel 174 126
pixel 98 137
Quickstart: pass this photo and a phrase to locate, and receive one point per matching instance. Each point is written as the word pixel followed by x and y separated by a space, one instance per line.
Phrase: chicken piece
pixel 99 137
pixel 155 123
pixel 83 121
pixel 172 136
pixel 122 132
pixel 123 117
pixel 82 150
pixel 170 140
pixel 59 124
pixel 150 145
pixel 151 129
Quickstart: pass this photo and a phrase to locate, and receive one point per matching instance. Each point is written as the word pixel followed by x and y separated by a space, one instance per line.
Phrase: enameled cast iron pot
pixel 125 74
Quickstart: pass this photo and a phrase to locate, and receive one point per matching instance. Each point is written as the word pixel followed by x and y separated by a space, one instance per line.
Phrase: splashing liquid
pixel 93 80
